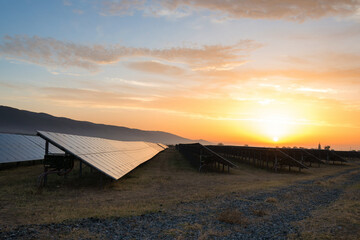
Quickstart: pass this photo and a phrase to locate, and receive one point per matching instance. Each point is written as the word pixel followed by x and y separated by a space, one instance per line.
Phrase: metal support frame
pixel 204 158
pixel 270 158
pixel 60 164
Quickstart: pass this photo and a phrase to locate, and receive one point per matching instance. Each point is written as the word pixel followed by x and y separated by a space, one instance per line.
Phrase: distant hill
pixel 13 120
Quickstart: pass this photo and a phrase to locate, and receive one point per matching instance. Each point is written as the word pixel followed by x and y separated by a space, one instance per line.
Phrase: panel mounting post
pixel 47 147
pixel 80 168
pixel 46 153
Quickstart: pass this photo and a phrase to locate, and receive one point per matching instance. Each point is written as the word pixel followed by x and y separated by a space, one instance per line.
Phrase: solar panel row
pixel 163 145
pixel 114 158
pixel 20 148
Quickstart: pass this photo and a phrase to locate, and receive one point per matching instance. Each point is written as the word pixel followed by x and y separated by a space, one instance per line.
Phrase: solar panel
pixel 156 146
pixel 114 158
pixel 20 148
pixel 163 145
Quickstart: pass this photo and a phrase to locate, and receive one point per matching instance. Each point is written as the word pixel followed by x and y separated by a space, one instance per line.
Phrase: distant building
pixel 319 147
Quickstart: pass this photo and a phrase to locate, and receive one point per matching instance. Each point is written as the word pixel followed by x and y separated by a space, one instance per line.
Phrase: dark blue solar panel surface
pixel 114 158
pixel 19 148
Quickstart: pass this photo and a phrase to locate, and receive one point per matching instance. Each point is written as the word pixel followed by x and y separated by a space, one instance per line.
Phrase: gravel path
pixel 265 215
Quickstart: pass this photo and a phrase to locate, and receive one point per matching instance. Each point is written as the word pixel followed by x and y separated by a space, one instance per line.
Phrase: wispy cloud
pixel 325 60
pixel 303 89
pixel 132 82
pixel 8 85
pixel 156 67
pixel 78 11
pixel 93 97
pixel 277 78
pixel 121 7
pixel 266 101
pixel 292 10
pixel 56 53
pixel 67 3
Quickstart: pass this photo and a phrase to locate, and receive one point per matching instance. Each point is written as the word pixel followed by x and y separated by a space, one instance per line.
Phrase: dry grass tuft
pixel 211 233
pixel 259 212
pixel 191 227
pixel 233 216
pixel 174 232
pixel 271 200
pixel 319 182
pixel 328 183
pixel 74 233
pixel 288 195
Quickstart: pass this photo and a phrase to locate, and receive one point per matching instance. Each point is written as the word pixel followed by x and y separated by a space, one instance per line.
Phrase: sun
pixel 275 128
pixel 276 124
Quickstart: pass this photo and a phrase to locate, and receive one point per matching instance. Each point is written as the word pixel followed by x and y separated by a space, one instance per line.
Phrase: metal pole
pixel 47 147
pixel 45 168
pixel 200 158
pixel 327 157
pixel 80 168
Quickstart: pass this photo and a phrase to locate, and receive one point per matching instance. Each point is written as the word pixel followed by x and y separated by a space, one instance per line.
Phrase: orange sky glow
pixel 267 76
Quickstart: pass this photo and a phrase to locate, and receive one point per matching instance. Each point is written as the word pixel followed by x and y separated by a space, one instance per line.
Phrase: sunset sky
pixel 274 73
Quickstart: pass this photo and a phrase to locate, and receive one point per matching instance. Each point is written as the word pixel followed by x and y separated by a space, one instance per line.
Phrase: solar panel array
pixel 162 145
pixel 20 148
pixel 114 158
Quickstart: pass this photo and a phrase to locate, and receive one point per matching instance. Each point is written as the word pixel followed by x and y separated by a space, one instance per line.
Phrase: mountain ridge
pixel 14 120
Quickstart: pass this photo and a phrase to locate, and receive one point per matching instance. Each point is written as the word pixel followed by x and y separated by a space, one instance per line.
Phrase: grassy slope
pixel 156 185
pixel 340 220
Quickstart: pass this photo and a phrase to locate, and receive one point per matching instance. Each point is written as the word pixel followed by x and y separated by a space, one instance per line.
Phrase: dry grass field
pixel 339 220
pixel 160 185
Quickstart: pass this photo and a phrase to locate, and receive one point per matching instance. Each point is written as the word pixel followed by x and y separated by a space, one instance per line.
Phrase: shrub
pixel 259 212
pixel 271 200
pixel 232 216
